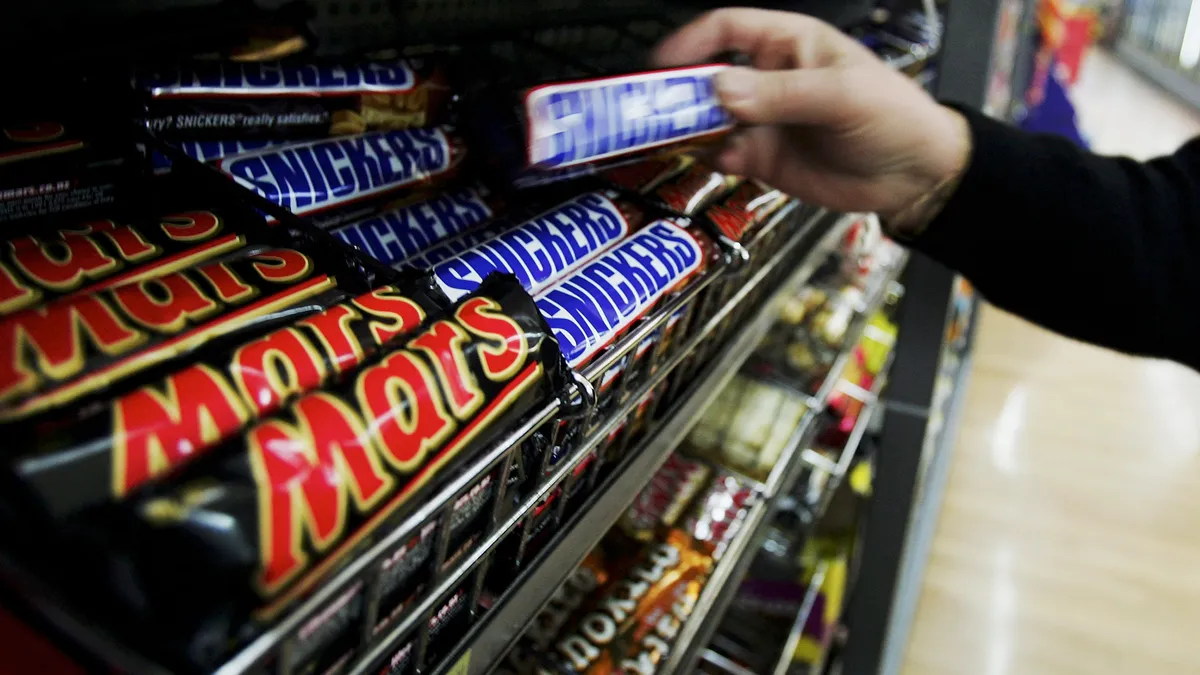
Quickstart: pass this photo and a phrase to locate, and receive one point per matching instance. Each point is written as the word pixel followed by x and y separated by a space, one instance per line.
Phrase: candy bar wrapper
pixel 714 519
pixel 90 256
pixel 556 130
pixel 335 181
pixel 61 167
pixel 690 191
pixel 573 596
pixel 211 151
pixel 224 100
pixel 84 345
pixel 446 624
pixel 256 525
pixel 633 623
pixel 741 213
pixel 597 303
pixel 600 301
pixel 546 248
pixel 663 500
pixel 643 176
pixel 104 452
pixel 396 235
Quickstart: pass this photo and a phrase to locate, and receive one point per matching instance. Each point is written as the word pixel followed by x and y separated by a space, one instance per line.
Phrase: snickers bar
pixel 394 236
pixel 545 248
pixel 223 100
pixel 211 151
pixel 83 459
pixel 81 344
pixel 105 254
pixel 590 308
pixel 338 180
pixel 570 123
pixel 302 490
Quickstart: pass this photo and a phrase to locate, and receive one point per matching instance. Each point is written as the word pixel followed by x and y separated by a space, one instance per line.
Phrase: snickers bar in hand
pixel 563 127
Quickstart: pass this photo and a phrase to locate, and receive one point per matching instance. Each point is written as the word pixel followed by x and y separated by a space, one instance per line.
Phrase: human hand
pixel 826 120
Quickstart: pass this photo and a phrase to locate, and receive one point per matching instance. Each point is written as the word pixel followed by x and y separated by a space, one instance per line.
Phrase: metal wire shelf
pixel 719 590
pixel 836 472
pixel 529 593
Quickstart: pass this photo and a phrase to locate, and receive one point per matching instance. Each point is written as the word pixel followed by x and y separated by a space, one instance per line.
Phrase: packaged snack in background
pixel 258 524
pixel 690 191
pixel 558 130
pixel 766 418
pixel 658 506
pixel 637 616
pixel 573 596
pixel 597 303
pixel 83 457
pixel 398 234
pixel 230 100
pixel 82 344
pixel 740 213
pixel 713 520
pixel 451 619
pixel 646 174
pixel 334 181
pixel 405 575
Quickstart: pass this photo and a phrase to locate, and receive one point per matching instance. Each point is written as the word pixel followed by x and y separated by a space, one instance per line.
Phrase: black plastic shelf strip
pixel 722 585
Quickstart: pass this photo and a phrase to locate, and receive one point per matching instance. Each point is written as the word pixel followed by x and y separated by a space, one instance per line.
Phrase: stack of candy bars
pixel 623 608
pixel 216 406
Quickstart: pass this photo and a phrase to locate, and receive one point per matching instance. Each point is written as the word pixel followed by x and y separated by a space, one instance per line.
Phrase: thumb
pixel 799 96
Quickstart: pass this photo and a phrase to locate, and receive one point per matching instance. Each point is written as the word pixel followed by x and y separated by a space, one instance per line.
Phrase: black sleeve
pixel 1103 249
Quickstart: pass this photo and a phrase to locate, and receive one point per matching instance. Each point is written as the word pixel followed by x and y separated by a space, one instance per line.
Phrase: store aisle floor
pixel 1069 540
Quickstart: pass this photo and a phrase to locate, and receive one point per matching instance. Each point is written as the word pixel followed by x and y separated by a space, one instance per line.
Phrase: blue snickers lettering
pixel 541 250
pixel 590 307
pixel 395 236
pixel 311 176
pixel 576 123
pixel 281 78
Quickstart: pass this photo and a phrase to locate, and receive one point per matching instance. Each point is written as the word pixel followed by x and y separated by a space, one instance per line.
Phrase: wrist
pixel 946 155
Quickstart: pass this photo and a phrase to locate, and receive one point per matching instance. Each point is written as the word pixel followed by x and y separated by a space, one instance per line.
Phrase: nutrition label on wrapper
pixel 50 199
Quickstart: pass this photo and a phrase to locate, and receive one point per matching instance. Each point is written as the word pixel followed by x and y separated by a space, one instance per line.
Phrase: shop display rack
pixel 721 586
pixel 835 473
pixel 725 315
pixel 503 624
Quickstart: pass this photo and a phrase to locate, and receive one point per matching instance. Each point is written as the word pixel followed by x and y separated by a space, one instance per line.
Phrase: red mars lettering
pixel 156 428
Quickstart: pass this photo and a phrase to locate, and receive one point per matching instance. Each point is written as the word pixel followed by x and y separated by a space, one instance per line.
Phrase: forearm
pixel 1102 249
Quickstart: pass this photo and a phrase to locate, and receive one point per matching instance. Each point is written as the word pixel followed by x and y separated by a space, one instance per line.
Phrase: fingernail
pixel 735 85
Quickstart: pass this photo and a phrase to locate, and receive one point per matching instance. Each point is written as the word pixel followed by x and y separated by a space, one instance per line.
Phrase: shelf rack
pixel 504 623
pixel 712 303
pixel 722 584
pixel 872 406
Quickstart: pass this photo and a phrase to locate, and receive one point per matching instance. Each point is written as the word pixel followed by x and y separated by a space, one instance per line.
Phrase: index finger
pixel 738 29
